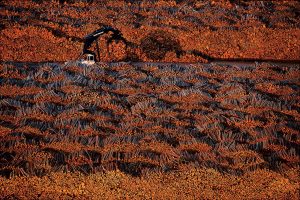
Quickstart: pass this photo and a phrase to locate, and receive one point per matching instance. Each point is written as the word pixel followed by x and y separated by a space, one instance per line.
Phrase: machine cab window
pixel 90 58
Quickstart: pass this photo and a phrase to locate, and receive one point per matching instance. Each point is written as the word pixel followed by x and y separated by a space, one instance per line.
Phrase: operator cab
pixel 90 59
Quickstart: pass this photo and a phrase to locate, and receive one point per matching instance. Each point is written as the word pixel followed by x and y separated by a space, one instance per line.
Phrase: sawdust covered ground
pixel 173 31
pixel 186 184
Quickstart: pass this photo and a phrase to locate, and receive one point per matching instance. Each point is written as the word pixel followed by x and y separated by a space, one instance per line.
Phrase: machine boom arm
pixel 89 39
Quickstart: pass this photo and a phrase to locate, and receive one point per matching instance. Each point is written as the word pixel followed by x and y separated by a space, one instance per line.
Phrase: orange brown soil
pixel 38 30
pixel 231 130
pixel 185 184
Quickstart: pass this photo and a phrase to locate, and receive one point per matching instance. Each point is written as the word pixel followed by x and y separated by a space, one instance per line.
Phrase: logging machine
pixel 90 57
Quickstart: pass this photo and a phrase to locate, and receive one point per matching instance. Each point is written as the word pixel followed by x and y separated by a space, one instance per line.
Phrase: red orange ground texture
pixel 150 131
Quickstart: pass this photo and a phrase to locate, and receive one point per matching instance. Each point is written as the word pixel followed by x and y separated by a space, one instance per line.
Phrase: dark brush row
pixel 147 117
